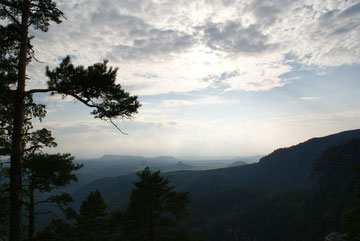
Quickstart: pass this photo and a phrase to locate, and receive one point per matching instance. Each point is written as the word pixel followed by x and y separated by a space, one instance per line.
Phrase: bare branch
pixel 124 133
pixel 48 212
pixel 32 54
pixel 30 92
pixel 44 201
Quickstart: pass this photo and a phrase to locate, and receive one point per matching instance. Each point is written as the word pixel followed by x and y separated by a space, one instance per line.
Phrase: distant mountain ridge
pixel 294 164
pixel 273 199
pixel 116 165
pixel 283 215
pixel 284 168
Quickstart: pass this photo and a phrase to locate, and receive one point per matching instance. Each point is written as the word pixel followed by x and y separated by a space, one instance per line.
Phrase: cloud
pixel 171 103
pixel 309 98
pixel 329 38
pixel 232 37
pixel 175 46
pixel 176 103
pixel 268 12
pixel 351 11
pixel 184 57
pixel 155 43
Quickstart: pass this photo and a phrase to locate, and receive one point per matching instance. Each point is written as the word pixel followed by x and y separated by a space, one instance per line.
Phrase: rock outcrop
pixel 335 236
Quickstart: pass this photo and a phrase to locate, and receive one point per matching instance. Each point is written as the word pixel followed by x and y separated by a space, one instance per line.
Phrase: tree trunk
pixel 17 147
pixel 151 225
pixel 31 211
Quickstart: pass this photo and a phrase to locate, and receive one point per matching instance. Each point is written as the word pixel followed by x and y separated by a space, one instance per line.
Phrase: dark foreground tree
pixel 57 230
pixel 154 209
pixel 90 224
pixel 350 219
pixel 94 86
pixel 19 15
pixel 351 223
pixel 43 173
pixel 33 140
pixel 4 202
pixel 40 172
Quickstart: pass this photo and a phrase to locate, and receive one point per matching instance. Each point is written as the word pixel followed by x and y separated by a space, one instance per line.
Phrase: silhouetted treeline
pixel 155 212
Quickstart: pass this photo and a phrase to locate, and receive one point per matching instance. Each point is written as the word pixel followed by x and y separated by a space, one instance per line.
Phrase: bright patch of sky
pixel 221 78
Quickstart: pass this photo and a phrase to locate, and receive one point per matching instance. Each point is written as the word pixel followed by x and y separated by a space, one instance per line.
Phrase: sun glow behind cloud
pixel 170 51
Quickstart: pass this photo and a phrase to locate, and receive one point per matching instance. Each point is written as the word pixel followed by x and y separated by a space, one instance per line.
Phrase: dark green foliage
pixel 242 214
pixel 154 209
pixel 47 171
pixel 351 222
pixel 110 101
pixel 90 224
pixel 9 44
pixel 42 12
pixel 57 230
pixel 95 87
pixel 16 18
pixel 350 218
pixel 299 214
pixel 4 202
pixel 92 219
pixel 338 165
pixel 34 140
pixel 43 173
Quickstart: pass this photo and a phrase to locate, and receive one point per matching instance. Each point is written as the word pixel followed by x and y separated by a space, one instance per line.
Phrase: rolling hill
pixel 282 169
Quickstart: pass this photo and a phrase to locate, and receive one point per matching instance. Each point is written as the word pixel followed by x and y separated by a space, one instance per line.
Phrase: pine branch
pixel 9 4
pixel 44 201
pixel 11 16
pixel 30 92
pixel 86 101
pixel 48 212
pixel 33 147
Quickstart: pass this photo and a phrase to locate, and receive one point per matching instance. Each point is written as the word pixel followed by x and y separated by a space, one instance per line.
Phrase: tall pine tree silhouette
pixel 93 86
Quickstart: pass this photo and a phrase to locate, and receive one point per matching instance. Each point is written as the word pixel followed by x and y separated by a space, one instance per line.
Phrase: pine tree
pixel 92 216
pixel 90 224
pixel 4 202
pixel 94 86
pixel 43 173
pixel 154 209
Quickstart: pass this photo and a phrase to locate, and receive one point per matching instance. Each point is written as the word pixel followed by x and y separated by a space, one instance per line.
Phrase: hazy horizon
pixel 181 158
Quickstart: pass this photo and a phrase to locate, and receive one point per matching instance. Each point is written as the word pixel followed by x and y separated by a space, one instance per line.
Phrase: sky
pixel 215 78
